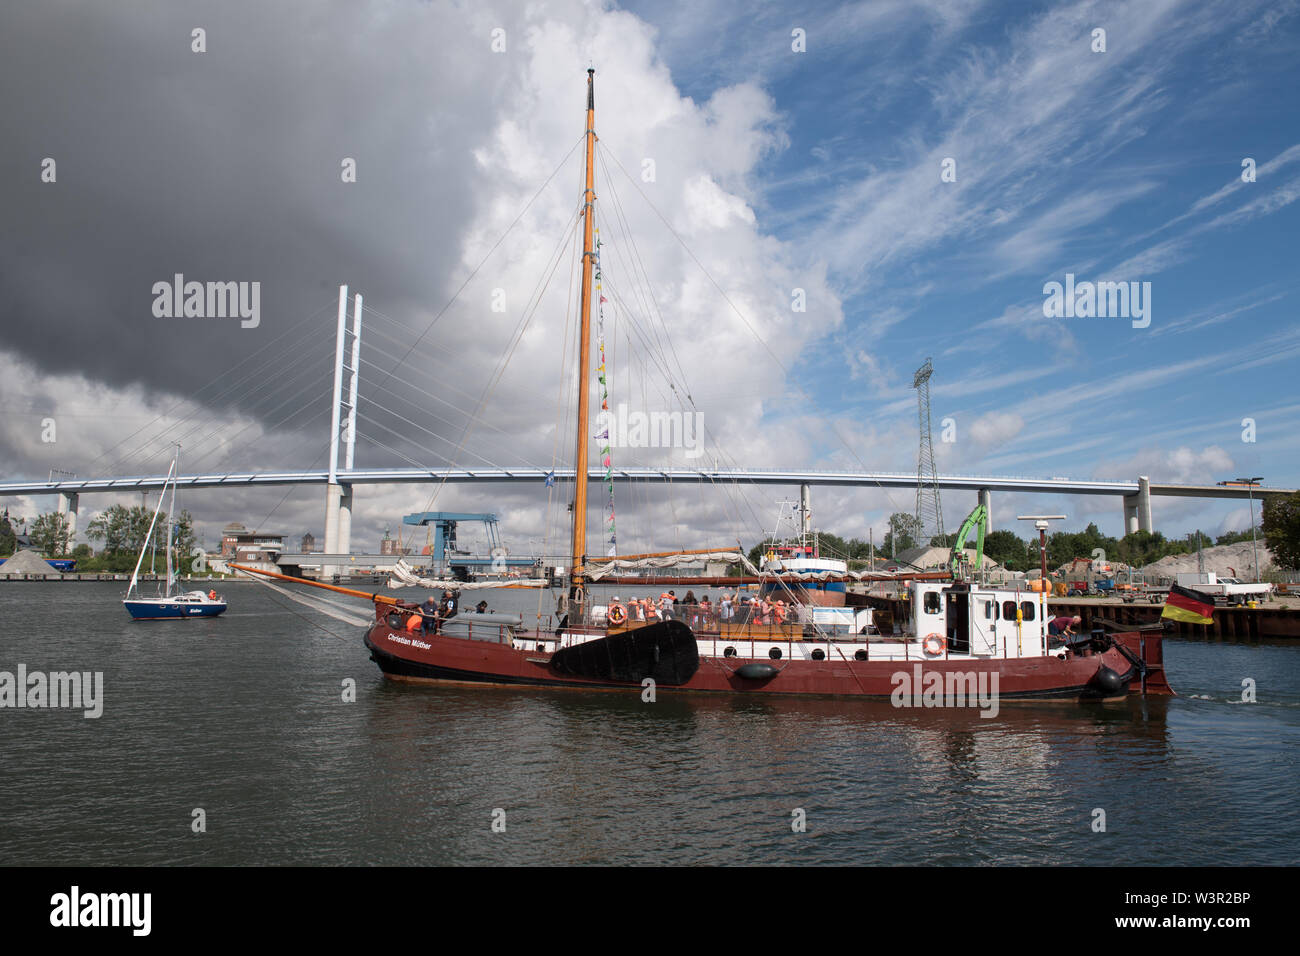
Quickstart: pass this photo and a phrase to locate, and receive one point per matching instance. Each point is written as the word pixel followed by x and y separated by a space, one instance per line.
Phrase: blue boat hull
pixel 161 610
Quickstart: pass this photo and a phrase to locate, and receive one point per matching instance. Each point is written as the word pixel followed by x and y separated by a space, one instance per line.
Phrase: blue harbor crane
pixel 443 551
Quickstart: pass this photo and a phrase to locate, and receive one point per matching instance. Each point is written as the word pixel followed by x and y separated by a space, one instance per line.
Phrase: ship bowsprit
pixel 667 652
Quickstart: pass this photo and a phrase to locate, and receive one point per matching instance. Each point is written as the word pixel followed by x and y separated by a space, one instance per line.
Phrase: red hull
pixel 439 659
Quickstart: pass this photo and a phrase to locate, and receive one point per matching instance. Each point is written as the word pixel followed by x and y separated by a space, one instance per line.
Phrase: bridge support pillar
pixel 986 499
pixel 338 522
pixel 68 506
pixel 1137 508
pixel 345 520
pixel 1144 504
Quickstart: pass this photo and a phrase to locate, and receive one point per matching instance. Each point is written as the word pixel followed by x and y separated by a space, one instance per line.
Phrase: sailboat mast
pixel 578 551
pixel 171 521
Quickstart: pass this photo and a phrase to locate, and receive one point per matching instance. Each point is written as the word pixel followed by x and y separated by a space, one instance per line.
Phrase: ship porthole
pixel 775 653
pixel 728 652
pixel 859 655
pixel 818 654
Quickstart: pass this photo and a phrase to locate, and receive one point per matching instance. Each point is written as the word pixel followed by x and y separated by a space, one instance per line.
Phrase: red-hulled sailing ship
pixel 961 635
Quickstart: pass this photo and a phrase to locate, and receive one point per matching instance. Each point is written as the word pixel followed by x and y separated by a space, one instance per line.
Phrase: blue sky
pixel 1123 164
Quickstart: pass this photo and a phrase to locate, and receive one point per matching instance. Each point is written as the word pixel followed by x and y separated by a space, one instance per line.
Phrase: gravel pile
pixel 1227 560
pixel 27 562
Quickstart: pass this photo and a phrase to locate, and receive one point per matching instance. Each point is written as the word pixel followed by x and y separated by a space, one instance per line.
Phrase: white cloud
pixel 995 428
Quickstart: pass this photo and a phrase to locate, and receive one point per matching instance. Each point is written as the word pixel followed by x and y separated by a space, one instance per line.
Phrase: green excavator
pixel 977 518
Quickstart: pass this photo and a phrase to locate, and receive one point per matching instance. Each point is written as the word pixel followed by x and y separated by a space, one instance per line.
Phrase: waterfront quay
pixel 1276 619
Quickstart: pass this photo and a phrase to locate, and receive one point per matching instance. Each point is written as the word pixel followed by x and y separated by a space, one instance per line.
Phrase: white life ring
pixel 617 614
pixel 935 644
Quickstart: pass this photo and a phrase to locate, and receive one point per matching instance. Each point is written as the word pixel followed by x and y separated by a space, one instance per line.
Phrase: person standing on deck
pixel 429 614
pixel 666 605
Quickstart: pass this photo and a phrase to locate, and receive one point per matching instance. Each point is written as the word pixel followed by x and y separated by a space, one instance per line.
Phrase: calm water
pixel 243 716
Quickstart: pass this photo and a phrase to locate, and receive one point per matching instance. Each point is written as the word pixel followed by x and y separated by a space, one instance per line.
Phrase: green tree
pixel 903 531
pixel 1235 537
pixel 52 534
pixel 1008 550
pixel 8 540
pixel 183 541
pixel 124 529
pixel 1281 525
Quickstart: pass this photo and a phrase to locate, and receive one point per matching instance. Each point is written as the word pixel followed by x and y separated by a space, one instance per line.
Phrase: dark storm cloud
pixel 224 166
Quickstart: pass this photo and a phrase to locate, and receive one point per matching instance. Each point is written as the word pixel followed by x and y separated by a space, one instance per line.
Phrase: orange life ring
pixel 935 644
pixel 616 614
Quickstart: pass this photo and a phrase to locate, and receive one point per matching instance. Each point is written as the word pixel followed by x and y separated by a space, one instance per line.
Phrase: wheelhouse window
pixel 1009 610
pixel 931 602
pixel 1028 608
pixel 990 610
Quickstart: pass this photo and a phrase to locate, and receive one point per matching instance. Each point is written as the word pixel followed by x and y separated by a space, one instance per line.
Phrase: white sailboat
pixel 171 602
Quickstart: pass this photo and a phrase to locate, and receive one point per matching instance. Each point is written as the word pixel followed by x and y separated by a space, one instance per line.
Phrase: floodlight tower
pixel 929 512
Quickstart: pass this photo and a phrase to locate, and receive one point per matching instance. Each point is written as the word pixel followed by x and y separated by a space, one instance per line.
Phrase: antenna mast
pixel 929 512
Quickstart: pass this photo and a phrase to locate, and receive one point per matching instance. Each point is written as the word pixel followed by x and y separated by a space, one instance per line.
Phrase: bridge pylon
pixel 343 428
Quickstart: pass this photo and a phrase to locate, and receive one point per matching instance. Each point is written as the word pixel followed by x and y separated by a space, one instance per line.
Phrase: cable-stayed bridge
pixel 341 475
pixel 1136 494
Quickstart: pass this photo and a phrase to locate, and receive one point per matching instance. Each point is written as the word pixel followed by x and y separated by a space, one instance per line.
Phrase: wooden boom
pixel 377 598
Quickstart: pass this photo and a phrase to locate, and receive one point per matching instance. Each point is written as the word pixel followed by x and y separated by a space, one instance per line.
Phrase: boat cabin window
pixel 1028 608
pixel 931 603
pixel 1008 610
pixel 990 610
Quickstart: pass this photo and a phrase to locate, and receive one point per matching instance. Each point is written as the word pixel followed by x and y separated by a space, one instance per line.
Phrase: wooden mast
pixel 578 550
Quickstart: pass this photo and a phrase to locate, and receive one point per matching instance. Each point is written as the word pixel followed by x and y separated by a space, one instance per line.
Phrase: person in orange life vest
pixel 666 605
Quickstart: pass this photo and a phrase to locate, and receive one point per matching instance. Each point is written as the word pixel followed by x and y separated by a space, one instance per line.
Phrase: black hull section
pixel 666 652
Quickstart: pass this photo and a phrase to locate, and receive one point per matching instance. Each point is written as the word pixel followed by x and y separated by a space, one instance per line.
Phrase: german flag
pixel 1191 607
